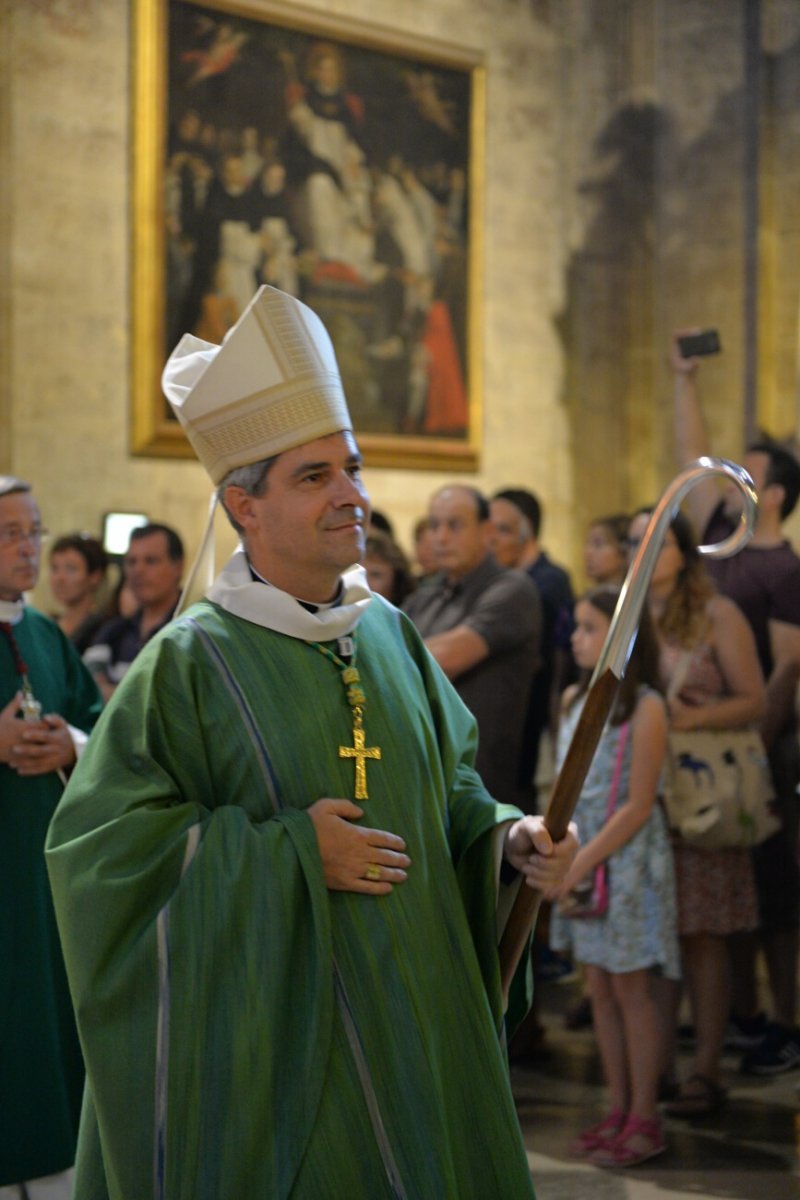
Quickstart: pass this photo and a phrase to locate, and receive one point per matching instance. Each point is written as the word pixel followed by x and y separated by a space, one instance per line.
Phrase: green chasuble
pixel 41 1073
pixel 248 1033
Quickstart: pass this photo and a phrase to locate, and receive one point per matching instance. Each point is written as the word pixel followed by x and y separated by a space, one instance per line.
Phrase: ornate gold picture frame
pixel 331 159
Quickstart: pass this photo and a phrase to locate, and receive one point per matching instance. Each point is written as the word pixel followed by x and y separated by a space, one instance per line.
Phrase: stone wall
pixel 67 163
pixel 615 177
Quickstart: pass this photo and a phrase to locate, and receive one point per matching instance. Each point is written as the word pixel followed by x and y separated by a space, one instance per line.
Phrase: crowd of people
pixel 194 820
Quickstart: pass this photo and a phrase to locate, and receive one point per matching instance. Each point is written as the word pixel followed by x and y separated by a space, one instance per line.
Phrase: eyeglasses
pixel 13 535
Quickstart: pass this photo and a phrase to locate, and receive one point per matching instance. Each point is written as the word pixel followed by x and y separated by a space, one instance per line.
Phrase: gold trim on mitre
pixel 273 384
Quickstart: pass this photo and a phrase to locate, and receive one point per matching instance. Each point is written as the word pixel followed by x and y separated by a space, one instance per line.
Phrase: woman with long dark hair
pixel 713 679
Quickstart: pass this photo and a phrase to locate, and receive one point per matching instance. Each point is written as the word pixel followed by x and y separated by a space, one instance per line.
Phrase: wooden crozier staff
pixel 610 670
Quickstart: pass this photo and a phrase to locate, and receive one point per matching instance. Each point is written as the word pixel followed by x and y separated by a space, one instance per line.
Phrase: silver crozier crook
pixel 608 673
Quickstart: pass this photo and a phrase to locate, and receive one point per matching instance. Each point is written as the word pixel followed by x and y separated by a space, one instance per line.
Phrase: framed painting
pixel 331 159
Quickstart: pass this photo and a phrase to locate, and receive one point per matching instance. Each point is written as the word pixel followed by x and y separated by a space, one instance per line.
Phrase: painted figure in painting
pixel 337 175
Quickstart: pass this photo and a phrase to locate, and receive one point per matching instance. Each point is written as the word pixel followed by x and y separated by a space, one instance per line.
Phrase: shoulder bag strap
pixel 614 792
pixel 682 664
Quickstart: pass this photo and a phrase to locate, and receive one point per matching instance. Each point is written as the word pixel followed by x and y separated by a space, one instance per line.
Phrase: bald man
pixel 482 624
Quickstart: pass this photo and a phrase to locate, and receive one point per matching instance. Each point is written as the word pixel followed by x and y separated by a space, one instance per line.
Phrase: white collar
pixel 311 606
pixel 12 611
pixel 235 590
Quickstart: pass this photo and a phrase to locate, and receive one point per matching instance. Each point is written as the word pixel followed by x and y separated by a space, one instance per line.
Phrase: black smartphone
pixel 696 345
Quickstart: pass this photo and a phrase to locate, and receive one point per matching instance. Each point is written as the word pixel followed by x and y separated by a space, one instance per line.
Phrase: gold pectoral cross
pixel 360 753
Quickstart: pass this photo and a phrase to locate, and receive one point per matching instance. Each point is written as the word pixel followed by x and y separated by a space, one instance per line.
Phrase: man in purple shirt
pixel 764 580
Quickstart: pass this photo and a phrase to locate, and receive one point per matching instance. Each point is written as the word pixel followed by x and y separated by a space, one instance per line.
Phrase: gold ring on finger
pixel 373 873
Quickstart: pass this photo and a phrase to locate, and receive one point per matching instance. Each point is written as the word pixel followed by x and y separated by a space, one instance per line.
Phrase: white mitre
pixel 272 385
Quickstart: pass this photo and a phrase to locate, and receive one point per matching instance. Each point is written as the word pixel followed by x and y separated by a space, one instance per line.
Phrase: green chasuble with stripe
pixel 41 1073
pixel 247 1032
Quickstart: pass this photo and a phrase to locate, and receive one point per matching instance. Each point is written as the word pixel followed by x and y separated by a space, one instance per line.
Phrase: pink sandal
pixel 598 1135
pixel 639 1140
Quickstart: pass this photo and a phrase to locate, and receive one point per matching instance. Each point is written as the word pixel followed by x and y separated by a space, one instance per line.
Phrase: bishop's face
pixel 20 544
pixel 308 526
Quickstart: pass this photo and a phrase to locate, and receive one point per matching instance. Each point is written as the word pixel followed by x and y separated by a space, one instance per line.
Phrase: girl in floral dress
pixel 636 937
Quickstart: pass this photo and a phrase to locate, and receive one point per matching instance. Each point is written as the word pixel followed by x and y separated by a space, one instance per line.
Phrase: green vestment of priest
pixel 41 1074
pixel 248 1032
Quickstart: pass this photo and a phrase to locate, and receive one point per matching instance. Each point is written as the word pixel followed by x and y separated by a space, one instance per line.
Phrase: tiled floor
pixel 749 1151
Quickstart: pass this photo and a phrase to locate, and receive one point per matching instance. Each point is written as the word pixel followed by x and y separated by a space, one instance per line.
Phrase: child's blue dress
pixel 639 927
